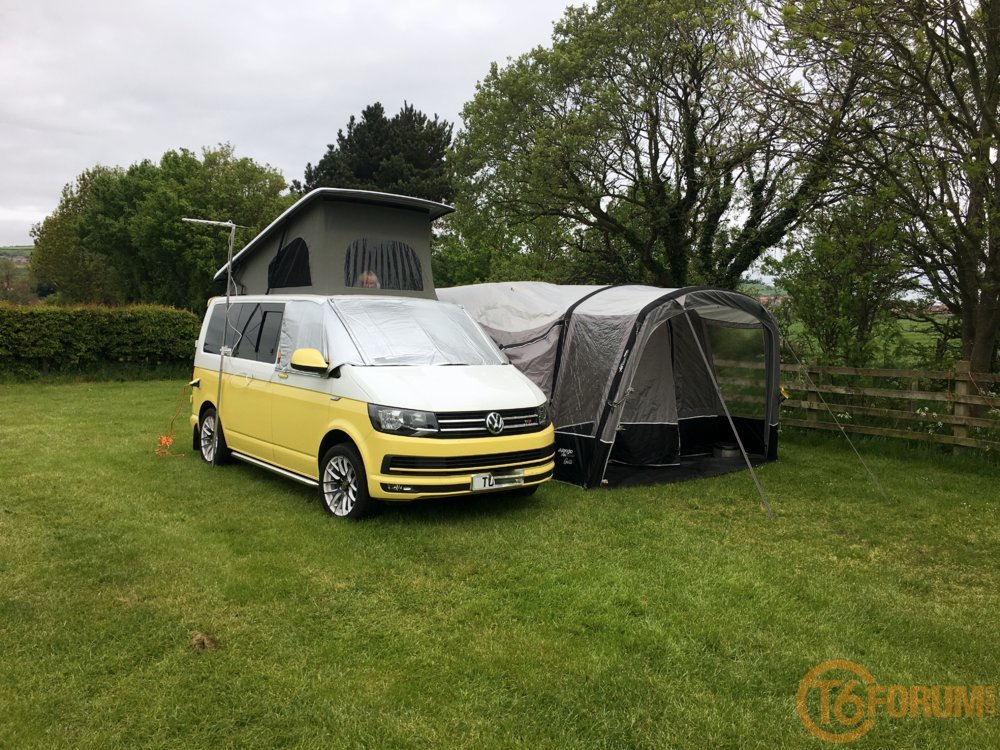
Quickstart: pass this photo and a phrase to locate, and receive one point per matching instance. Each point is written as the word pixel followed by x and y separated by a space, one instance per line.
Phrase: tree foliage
pixel 59 259
pixel 404 154
pixel 845 275
pixel 932 77
pixel 471 250
pixel 133 221
pixel 649 133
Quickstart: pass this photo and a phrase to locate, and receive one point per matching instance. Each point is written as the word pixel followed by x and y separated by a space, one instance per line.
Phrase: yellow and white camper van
pixel 367 398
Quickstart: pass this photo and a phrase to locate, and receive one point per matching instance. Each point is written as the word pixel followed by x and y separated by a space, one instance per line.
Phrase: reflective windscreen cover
pixel 302 327
pixel 408 331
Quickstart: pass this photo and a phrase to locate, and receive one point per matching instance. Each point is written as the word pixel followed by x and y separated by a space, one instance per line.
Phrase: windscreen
pixel 415 332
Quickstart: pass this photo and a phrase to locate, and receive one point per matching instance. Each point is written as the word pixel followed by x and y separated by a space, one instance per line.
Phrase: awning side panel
pixel 592 350
pixel 696 395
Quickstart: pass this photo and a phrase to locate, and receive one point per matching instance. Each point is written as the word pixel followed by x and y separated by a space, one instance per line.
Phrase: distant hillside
pixel 761 289
pixel 19 253
pixel 11 251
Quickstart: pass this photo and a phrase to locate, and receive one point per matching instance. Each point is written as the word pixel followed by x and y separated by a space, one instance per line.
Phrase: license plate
pixel 491 482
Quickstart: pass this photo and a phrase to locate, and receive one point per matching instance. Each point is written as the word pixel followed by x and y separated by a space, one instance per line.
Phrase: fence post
pixel 812 395
pixel 961 388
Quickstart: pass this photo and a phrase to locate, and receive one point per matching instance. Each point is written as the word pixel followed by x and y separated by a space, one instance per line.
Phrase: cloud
pixel 112 82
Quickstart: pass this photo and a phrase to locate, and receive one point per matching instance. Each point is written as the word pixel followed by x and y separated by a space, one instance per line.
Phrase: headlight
pixel 543 415
pixel 402 421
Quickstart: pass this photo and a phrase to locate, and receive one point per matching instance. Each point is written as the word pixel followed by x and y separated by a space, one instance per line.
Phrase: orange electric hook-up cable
pixel 163 449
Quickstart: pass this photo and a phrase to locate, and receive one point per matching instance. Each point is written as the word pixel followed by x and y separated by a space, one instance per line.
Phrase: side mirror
pixel 309 360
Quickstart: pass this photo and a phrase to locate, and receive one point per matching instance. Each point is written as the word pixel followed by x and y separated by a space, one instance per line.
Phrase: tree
pixel 471 251
pixel 404 155
pixel 647 132
pixel 933 68
pixel 845 275
pixel 133 221
pixel 59 260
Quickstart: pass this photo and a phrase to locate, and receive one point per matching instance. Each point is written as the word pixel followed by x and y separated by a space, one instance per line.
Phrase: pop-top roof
pixel 365 197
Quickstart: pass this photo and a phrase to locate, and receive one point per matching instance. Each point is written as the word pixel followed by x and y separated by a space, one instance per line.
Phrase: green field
pixel 16 282
pixel 673 616
pixel 906 344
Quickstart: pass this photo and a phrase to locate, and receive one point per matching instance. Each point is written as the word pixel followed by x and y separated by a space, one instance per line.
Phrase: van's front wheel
pixel 343 485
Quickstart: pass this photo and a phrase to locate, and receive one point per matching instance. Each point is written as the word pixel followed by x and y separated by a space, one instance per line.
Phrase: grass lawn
pixel 672 616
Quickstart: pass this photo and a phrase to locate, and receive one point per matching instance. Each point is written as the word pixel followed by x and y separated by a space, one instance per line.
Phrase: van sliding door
pixel 246 402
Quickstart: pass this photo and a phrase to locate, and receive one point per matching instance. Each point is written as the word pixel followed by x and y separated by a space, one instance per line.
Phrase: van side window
pixel 244 338
pixel 216 328
pixel 267 346
pixel 252 332
pixel 382 264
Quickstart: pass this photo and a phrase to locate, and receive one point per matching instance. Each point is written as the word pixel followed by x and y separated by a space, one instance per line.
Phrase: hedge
pixel 42 339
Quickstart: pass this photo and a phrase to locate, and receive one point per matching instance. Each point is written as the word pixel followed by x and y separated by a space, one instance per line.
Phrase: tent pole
pixel 732 424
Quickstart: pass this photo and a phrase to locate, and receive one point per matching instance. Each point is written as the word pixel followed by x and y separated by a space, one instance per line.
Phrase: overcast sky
pixel 114 82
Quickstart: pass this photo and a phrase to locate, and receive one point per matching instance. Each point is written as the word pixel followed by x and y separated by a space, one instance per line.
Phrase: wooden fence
pixel 953 407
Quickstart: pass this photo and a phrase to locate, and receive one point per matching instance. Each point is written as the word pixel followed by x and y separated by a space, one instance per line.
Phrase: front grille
pixel 472 424
pixel 465 464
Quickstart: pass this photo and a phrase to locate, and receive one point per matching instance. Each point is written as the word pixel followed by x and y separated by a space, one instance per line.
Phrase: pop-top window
pixel 382 264
pixel 290 266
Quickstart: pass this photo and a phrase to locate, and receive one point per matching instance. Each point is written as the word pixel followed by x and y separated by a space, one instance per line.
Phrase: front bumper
pixel 402 468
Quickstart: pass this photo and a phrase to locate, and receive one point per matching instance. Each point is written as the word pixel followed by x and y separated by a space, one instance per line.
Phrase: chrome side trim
pixel 270 467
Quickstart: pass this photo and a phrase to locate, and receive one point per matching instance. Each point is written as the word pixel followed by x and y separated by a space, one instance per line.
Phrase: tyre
pixel 212 448
pixel 343 484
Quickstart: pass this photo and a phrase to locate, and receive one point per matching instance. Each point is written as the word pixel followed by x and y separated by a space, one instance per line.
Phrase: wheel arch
pixel 196 430
pixel 331 438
